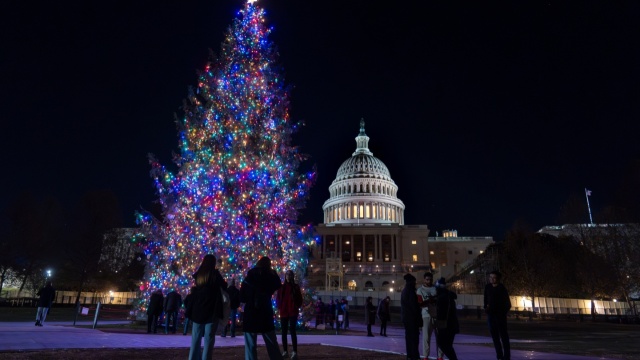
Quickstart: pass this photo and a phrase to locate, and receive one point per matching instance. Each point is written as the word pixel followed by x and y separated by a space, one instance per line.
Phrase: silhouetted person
pixel 369 315
pixel 154 310
pixel 319 312
pixel 497 305
pixel 234 303
pixel 187 301
pixel 446 319
pixel 345 309
pixel 411 317
pixel 205 308
pixel 384 314
pixel 46 295
pixel 256 292
pixel 172 304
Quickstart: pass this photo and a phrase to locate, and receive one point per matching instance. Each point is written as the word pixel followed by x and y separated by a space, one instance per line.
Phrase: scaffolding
pixel 335 274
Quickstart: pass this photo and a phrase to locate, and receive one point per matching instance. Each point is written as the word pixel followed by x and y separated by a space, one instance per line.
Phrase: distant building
pixel 580 229
pixel 364 241
pixel 118 249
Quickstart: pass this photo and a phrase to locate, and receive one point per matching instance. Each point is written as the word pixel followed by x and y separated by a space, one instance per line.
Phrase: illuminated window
pixel 361 211
pixel 414 257
pixel 433 265
pixel 359 256
pixel 413 242
pixel 368 212
pixel 352 285
pixel 431 252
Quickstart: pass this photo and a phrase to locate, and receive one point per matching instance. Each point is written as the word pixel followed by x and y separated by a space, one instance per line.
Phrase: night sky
pixel 483 113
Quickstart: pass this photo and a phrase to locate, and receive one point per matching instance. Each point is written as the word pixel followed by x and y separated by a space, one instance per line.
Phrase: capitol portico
pixel 364 241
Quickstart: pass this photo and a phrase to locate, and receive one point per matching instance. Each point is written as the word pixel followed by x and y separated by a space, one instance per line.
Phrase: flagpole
pixel 587 193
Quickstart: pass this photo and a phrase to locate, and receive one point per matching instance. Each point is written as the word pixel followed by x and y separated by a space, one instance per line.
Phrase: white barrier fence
pixel 69 297
pixel 543 305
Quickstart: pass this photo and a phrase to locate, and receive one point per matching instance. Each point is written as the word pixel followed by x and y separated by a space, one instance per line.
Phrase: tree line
pixel 80 246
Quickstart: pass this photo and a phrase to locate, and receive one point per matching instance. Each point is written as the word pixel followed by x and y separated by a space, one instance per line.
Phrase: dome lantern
pixel 362 141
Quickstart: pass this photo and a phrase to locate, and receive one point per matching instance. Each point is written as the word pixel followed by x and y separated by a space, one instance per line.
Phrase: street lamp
pixel 48 274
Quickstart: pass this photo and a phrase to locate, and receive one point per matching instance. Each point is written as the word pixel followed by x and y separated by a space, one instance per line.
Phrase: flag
pixel 588 192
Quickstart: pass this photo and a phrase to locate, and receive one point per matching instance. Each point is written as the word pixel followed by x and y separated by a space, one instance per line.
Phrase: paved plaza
pixel 62 335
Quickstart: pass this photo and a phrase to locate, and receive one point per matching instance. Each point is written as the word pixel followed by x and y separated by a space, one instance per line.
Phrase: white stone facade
pixel 363 191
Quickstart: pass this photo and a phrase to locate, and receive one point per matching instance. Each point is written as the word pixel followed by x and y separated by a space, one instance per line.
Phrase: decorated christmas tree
pixel 237 189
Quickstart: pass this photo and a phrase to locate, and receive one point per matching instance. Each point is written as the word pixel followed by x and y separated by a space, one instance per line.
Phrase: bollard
pixel 75 316
pixel 95 318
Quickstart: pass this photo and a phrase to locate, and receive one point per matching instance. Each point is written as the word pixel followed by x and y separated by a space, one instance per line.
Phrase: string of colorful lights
pixel 238 190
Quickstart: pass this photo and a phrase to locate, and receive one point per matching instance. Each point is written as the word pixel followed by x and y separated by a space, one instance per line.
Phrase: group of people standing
pixel 206 307
pixel 335 311
pixel 432 309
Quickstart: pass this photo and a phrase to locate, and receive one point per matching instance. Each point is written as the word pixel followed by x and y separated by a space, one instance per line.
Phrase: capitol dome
pixel 363 191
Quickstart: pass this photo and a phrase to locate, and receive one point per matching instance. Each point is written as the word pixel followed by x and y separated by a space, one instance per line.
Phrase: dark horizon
pixel 484 114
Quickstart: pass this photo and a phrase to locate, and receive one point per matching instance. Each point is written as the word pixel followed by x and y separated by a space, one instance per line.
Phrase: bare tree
pixel 529 262
pixel 97 213
pixel 34 231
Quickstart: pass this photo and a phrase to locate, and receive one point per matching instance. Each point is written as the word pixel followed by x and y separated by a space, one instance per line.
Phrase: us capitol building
pixel 364 241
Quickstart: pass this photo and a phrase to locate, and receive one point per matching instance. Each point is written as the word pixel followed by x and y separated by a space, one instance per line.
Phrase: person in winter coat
pixel 497 305
pixel 234 303
pixel 289 302
pixel 255 293
pixel 187 301
pixel 447 325
pixel 384 314
pixel 154 311
pixel 369 315
pixel 345 309
pixel 46 294
pixel 411 317
pixel 330 312
pixel 205 308
pixel 338 313
pixel 319 312
pixel 172 303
